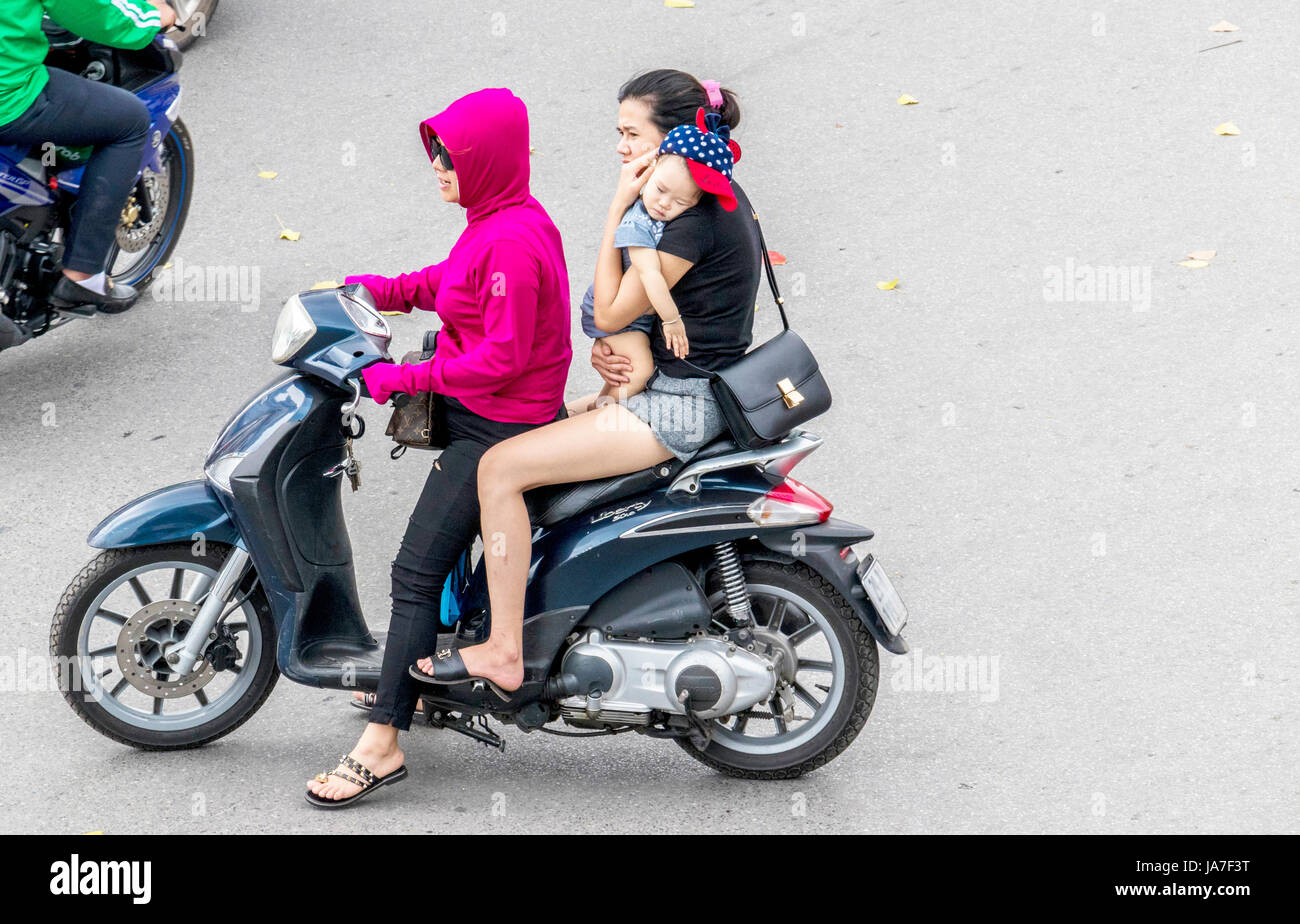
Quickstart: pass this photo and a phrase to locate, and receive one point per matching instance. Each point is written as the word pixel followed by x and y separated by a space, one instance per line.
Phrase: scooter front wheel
pixel 121 616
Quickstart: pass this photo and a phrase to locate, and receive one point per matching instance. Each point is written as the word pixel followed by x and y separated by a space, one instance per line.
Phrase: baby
pixel 687 156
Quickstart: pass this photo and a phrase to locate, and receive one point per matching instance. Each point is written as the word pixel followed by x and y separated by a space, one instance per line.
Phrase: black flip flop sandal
pixel 368 782
pixel 449 670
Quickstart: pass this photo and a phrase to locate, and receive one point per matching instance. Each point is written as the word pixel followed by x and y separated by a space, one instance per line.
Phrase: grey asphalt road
pixel 1090 491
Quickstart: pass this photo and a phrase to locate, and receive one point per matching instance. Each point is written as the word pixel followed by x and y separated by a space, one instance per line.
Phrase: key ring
pixel 350 416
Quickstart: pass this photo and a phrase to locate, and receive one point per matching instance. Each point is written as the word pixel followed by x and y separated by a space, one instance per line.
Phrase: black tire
pixel 179 149
pixel 862 674
pixel 187 37
pixel 103 570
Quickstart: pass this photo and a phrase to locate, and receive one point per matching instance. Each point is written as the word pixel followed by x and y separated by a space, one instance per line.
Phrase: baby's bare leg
pixel 636 347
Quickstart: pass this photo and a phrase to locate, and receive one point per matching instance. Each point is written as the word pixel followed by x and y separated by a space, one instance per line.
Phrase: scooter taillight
pixel 791 503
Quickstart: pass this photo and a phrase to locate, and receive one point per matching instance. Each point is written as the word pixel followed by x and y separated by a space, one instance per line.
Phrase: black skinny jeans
pixel 73 111
pixel 443 525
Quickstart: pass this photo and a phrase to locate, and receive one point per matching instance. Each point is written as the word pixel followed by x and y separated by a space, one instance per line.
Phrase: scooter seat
pixel 718 447
pixel 550 504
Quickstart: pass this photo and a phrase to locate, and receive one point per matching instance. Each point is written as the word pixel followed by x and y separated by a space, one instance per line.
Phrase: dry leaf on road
pixel 285 233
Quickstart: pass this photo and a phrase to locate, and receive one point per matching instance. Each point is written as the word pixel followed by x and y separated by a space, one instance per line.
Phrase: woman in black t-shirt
pixel 717 252
pixel 711 261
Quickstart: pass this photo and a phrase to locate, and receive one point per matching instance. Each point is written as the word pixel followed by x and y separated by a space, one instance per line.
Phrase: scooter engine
pixel 625 682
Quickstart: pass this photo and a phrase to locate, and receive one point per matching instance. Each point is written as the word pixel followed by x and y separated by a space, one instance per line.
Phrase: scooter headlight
pixel 293 329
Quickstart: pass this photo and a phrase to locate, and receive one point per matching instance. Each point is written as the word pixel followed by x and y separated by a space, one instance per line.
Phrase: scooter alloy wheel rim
pixel 134 603
pixel 788 622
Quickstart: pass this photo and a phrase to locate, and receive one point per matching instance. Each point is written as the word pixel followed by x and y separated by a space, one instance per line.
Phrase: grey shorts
pixel 683 413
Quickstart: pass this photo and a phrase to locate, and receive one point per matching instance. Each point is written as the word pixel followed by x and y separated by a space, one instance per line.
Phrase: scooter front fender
pixel 178 513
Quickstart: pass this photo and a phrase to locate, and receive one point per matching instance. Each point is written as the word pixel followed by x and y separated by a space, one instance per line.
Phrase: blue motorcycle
pixel 714 601
pixel 39 186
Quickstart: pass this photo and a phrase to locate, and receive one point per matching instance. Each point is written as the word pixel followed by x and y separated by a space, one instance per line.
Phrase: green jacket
pixel 120 23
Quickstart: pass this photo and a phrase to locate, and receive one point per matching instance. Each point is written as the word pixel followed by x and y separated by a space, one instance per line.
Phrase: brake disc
pixel 144 642
pixel 133 237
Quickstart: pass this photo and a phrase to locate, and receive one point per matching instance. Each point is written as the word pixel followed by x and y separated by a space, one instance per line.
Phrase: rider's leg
pixel 443 525
pixel 609 441
pixel 73 111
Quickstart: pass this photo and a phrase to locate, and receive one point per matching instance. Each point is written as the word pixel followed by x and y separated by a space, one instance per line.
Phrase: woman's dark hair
pixel 674 96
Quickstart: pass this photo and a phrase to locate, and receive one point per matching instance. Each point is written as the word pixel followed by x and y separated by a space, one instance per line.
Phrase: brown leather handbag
pixel 418 421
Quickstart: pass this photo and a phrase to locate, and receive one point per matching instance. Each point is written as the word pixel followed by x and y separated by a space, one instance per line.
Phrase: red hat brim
pixel 711 181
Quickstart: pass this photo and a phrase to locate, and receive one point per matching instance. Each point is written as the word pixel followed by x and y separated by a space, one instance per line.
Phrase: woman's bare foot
pixel 377 750
pixel 500 663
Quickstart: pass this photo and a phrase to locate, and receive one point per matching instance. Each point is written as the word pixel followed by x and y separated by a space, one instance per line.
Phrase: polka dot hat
pixel 710 154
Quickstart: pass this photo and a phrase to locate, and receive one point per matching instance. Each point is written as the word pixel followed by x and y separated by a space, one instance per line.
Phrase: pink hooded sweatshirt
pixel 503 291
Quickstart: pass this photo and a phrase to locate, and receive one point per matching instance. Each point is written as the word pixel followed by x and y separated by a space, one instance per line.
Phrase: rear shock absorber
pixel 733 582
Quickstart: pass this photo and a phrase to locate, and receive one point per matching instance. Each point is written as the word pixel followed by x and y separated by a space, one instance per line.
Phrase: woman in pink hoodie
pixel 502 357
pixel 710 258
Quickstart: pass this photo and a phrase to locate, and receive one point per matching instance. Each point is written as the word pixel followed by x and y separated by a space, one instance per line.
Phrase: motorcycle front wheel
pixel 114 626
pixel 829 674
pixel 140 244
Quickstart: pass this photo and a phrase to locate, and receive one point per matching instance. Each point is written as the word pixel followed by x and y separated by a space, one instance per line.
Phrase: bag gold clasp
pixel 789 393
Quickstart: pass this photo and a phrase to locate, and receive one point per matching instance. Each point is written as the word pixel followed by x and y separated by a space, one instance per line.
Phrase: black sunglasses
pixel 438 150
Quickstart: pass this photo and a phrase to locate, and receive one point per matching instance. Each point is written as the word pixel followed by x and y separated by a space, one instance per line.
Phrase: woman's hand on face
pixel 631 179
pixel 611 367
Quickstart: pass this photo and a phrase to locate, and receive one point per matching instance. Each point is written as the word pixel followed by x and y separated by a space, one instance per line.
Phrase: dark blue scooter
pixel 714 602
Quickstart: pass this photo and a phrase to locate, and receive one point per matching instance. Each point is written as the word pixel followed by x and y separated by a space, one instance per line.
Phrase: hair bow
pixel 712 122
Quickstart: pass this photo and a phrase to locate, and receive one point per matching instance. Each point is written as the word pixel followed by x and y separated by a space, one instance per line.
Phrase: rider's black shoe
pixel 117 297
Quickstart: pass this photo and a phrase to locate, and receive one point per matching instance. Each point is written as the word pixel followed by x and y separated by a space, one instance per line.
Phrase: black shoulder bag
pixel 774 387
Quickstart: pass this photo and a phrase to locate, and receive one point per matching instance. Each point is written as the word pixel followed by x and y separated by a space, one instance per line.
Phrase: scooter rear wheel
pixel 830 672
pixel 114 626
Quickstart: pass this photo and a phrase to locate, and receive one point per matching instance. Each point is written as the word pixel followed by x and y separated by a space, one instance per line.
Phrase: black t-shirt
pixel 716 295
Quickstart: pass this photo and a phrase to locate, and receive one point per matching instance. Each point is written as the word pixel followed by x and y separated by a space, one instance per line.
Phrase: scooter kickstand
pixel 465 725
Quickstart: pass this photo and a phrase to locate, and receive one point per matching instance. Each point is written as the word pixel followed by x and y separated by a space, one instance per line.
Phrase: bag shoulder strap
pixel 771 281
pixel 771 274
